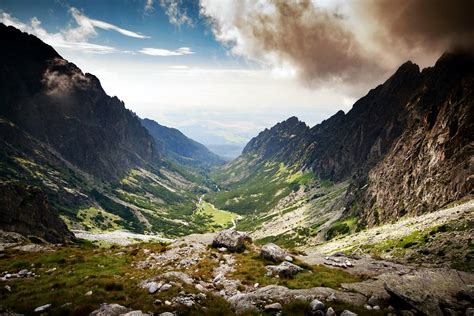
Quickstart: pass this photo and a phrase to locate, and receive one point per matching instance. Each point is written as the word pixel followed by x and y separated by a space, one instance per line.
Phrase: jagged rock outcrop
pixel 51 99
pixel 26 210
pixel 431 163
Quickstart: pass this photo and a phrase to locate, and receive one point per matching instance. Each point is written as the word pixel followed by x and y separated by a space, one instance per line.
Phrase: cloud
pixel 61 80
pixel 88 25
pixel 339 42
pixel 75 37
pixel 149 6
pixel 176 14
pixel 165 52
pixel 423 24
pixel 314 43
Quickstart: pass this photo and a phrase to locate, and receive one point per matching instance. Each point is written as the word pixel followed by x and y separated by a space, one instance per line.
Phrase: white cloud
pixel 165 52
pixel 73 38
pixel 88 25
pixel 177 16
pixel 149 6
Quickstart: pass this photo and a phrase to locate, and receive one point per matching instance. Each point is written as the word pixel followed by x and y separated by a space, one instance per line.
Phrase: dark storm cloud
pixel 341 42
pixel 425 24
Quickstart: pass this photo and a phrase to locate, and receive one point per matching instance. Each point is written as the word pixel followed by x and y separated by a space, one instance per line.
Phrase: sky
pixel 221 70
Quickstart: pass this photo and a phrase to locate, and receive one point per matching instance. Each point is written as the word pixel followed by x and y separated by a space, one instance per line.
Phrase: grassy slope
pixel 112 277
pixel 106 272
pixel 217 219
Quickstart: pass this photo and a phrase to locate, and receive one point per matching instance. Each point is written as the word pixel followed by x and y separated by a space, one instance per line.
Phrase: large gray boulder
pixel 233 240
pixel 284 270
pixel 274 253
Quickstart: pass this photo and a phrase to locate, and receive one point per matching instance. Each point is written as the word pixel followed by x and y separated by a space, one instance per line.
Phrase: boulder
pixel 110 310
pixel 275 307
pixel 231 239
pixel 284 270
pixel 316 305
pixel 330 312
pixel 181 276
pixel 153 287
pixel 348 313
pixel 274 253
pixel 165 287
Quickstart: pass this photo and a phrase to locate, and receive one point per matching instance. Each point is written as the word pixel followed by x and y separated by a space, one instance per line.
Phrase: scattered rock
pixel 183 277
pixel 347 313
pixel 154 287
pixel 110 310
pixel 289 258
pixel 135 313
pixel 157 302
pixel 166 314
pixel 231 239
pixel 165 287
pixel 167 303
pixel 277 293
pixel 275 307
pixel 316 305
pixel 332 298
pixel 200 288
pixel 470 311
pixel 8 288
pixel 42 308
pixel 222 249
pixel 88 293
pixel 274 253
pixel 330 312
pixel 284 270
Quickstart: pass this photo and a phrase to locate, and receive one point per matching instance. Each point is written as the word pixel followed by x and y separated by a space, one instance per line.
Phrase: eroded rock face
pixel 231 239
pixel 26 210
pixel 273 253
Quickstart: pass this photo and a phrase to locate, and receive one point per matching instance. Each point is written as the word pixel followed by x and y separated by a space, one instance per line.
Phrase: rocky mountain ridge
pixel 51 99
pixel 407 144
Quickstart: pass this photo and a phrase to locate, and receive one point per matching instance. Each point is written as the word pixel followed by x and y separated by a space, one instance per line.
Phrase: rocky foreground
pixel 220 274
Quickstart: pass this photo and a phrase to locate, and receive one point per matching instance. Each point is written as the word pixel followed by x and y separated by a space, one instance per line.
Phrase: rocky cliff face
pixel 26 210
pixel 431 163
pixel 56 103
pixel 407 144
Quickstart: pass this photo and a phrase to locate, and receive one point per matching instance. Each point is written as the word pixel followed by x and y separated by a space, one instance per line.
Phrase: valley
pixel 369 212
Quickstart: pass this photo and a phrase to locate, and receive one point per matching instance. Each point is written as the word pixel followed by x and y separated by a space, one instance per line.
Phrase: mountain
pixel 79 154
pixel 52 100
pixel 179 147
pixel 404 148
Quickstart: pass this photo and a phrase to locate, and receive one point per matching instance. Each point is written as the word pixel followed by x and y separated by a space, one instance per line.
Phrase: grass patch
pixel 250 269
pixel 108 273
pixel 218 219
pixel 341 228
